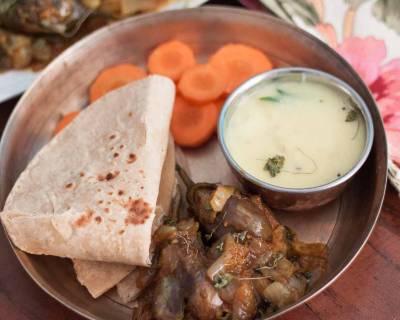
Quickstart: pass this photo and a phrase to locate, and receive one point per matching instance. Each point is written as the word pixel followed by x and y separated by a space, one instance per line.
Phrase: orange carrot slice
pixel 238 62
pixel 201 84
pixel 220 103
pixel 113 78
pixel 65 120
pixel 171 59
pixel 191 126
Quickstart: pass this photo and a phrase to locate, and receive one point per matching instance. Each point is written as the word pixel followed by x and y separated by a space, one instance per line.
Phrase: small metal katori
pixel 295 199
pixel 344 224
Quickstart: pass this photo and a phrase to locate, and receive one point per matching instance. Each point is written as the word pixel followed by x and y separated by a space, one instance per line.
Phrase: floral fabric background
pixel 367 34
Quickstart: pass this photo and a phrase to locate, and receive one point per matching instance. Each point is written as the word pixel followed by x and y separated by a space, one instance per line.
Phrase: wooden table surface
pixel 369 289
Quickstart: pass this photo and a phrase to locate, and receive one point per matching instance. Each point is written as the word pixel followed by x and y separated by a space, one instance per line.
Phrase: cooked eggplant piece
pixel 244 306
pixel 256 199
pixel 234 259
pixel 309 249
pixel 204 302
pixel 250 269
pixel 278 294
pixel 277 268
pixel 62 17
pixel 243 215
pixel 143 308
pixel 281 240
pixel 239 213
pixel 168 299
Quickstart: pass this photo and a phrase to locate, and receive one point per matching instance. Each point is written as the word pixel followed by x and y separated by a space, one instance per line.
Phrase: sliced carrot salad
pixel 201 88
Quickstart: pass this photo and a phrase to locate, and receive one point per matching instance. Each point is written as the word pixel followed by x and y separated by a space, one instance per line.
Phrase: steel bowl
pixel 344 224
pixel 294 199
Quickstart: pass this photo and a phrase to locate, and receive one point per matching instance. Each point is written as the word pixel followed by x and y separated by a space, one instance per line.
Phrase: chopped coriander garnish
pixel 281 92
pixel 307 275
pixel 221 280
pixel 351 115
pixel 169 221
pixel 277 97
pixel 290 235
pixel 274 165
pixel 269 98
pixel 220 247
pixel 240 237
pixel 207 206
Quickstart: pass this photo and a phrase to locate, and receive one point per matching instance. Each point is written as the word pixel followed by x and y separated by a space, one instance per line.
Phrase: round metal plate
pixel 344 224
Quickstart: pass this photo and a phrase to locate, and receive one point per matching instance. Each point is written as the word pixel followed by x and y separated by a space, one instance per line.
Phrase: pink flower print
pixel 366 56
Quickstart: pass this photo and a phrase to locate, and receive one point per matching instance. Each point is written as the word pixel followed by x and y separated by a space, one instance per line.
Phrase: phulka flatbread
pixel 91 192
pixel 98 277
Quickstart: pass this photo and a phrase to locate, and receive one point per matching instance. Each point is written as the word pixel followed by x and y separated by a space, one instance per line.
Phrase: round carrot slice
pixel 239 62
pixel 65 120
pixel 113 78
pixel 171 59
pixel 192 126
pixel 220 103
pixel 201 84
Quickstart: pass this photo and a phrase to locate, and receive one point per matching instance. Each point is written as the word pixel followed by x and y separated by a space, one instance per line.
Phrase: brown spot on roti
pixel 68 185
pixel 138 211
pixel 121 146
pixel 84 219
pixel 116 155
pixel 100 202
pixel 131 158
pixel 120 192
pixel 110 193
pixel 130 114
pixel 111 175
pixel 98 219
pixel 81 174
pixel 112 136
pixel 121 232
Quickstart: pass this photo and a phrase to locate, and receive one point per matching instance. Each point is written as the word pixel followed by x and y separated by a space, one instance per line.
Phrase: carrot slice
pixel 201 84
pixel 220 103
pixel 191 126
pixel 113 78
pixel 171 59
pixel 238 62
pixel 65 120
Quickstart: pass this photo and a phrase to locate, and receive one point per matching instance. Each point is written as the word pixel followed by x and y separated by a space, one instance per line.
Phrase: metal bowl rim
pixel 222 9
pixel 327 78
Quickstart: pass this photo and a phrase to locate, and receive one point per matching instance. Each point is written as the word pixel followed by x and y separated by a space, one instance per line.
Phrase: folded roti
pixel 98 277
pixel 91 192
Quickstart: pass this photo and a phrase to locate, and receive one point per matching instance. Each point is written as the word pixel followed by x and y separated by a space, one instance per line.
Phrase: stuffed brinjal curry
pixel 226 257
